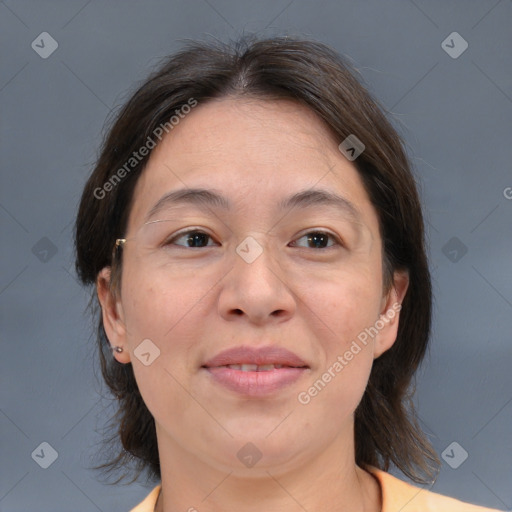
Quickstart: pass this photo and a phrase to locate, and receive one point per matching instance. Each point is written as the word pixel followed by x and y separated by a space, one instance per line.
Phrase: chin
pixel 254 451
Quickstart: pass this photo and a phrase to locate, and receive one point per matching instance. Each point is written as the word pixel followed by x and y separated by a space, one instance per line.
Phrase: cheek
pixel 346 306
pixel 165 310
pixel 160 310
pixel 338 384
pixel 345 303
pixel 157 306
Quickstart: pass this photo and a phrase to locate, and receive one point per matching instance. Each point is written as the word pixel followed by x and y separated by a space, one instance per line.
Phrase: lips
pixel 256 356
pixel 256 371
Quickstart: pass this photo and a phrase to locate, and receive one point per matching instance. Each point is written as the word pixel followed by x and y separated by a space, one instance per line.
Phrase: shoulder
pixel 398 495
pixel 149 502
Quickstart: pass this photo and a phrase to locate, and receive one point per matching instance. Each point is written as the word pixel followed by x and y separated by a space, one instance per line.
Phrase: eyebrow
pixel 201 197
pixel 208 198
pixel 319 197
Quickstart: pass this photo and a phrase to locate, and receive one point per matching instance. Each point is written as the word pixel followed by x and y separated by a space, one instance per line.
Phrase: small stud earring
pixel 118 349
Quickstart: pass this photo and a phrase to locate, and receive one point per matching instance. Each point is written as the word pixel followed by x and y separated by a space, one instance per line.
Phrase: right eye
pixel 193 239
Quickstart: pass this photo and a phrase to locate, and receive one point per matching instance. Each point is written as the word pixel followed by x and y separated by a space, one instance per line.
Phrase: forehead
pixel 248 130
pixel 252 151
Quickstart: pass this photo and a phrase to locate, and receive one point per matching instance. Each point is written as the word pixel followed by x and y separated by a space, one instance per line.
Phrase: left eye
pixel 318 240
pixel 193 239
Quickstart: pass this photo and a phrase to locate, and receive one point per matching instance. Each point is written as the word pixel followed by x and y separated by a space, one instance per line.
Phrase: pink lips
pixel 256 381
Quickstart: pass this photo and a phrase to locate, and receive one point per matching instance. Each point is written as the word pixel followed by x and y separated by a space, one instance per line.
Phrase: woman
pixel 256 241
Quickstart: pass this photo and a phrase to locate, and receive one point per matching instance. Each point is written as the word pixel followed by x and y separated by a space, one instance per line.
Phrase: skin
pixel 193 303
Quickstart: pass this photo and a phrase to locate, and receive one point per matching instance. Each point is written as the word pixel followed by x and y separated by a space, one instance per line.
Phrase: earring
pixel 118 349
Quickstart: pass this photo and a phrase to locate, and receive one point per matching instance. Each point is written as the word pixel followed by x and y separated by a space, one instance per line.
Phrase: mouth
pixel 256 372
pixel 263 358
pixel 256 367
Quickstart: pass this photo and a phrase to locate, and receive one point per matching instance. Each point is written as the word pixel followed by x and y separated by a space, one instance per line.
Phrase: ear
pixel 112 314
pixel 390 313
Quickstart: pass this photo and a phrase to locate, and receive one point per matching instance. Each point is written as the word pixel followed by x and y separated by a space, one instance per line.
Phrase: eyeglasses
pixel 162 242
pixel 158 233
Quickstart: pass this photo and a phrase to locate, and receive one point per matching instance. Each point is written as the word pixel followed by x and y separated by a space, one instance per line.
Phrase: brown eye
pixel 193 239
pixel 318 240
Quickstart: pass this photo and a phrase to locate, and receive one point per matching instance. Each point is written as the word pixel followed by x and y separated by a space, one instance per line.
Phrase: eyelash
pixel 337 241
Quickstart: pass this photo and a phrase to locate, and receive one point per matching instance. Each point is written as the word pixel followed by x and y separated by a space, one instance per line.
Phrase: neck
pixel 331 482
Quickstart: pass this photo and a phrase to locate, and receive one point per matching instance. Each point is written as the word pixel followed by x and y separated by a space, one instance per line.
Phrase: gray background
pixel 455 115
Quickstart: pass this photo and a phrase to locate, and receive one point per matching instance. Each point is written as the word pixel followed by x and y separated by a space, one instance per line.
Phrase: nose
pixel 257 291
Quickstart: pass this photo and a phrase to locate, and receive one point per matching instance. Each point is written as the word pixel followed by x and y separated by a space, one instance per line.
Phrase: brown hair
pixel 308 72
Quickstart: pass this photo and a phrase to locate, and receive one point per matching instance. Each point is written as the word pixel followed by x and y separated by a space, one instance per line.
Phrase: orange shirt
pixel 397 496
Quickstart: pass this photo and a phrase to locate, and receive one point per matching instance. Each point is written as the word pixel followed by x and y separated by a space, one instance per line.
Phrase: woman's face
pixel 277 263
